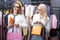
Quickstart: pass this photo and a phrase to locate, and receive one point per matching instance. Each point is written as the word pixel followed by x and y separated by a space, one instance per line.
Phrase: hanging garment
pixel 48 10
pixel 29 9
pixel 25 31
pixel 0 25
pixel 53 21
pixel 53 31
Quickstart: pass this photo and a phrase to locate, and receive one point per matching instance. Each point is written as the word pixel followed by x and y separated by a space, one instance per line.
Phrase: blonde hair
pixel 19 2
pixel 43 8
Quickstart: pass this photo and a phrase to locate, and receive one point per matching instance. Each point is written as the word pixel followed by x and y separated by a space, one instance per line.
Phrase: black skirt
pixel 53 32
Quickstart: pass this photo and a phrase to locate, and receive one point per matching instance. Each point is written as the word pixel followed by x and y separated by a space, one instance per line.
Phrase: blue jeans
pixel 34 37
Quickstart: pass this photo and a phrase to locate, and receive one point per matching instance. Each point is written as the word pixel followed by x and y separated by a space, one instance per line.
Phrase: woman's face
pixel 16 8
pixel 39 10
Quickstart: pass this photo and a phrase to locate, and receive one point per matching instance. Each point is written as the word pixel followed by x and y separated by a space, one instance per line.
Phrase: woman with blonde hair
pixel 16 21
pixel 40 18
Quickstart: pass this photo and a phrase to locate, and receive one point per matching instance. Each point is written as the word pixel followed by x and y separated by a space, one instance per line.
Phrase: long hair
pixel 20 10
pixel 44 10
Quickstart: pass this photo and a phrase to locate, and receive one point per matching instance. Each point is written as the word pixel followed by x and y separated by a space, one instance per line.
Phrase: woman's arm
pixel 46 24
pixel 9 24
pixel 23 22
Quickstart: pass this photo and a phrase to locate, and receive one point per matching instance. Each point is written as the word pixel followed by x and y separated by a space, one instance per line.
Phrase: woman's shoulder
pixel 47 17
pixel 10 14
pixel 35 14
pixel 21 15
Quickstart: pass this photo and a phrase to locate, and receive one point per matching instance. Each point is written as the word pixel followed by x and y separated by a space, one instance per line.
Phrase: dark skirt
pixel 53 32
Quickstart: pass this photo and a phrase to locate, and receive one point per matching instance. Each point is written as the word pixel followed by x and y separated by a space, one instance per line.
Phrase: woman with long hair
pixel 16 20
pixel 40 18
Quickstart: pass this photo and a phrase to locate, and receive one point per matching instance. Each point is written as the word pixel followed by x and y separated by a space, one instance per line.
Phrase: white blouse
pixel 36 18
pixel 19 19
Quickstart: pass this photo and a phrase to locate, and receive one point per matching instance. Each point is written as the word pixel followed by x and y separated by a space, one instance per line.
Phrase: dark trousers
pixel 4 33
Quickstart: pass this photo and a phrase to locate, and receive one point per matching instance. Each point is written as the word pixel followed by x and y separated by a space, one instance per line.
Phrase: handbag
pixel 36 30
pixel 14 36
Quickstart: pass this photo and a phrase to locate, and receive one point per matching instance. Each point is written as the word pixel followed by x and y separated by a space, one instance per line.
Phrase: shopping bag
pixel 17 36
pixel 9 36
pixel 25 31
pixel 11 20
pixel 37 30
pixel 14 36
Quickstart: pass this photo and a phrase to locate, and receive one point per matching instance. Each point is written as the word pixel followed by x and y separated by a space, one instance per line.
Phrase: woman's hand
pixel 17 25
pixel 46 19
pixel 11 25
pixel 38 22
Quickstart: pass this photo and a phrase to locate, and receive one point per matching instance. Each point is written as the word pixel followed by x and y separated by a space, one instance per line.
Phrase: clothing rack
pixel 39 2
pixel 57 12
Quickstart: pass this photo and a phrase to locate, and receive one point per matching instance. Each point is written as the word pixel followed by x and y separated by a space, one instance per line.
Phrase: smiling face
pixel 39 10
pixel 16 8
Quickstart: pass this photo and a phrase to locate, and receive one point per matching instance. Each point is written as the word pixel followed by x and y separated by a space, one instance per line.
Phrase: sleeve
pixel 0 19
pixel 33 20
pixel 26 10
pixel 43 22
pixel 47 26
pixel 23 22
pixel 10 20
pixel 54 22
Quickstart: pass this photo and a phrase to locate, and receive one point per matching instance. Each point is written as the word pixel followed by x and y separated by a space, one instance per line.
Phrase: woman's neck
pixel 15 14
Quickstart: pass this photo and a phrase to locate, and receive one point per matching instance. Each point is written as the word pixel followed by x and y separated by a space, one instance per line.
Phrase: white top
pixel 36 17
pixel 19 19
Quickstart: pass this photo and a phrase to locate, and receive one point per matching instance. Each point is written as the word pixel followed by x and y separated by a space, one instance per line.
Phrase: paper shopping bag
pixel 11 20
pixel 14 36
pixel 36 30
